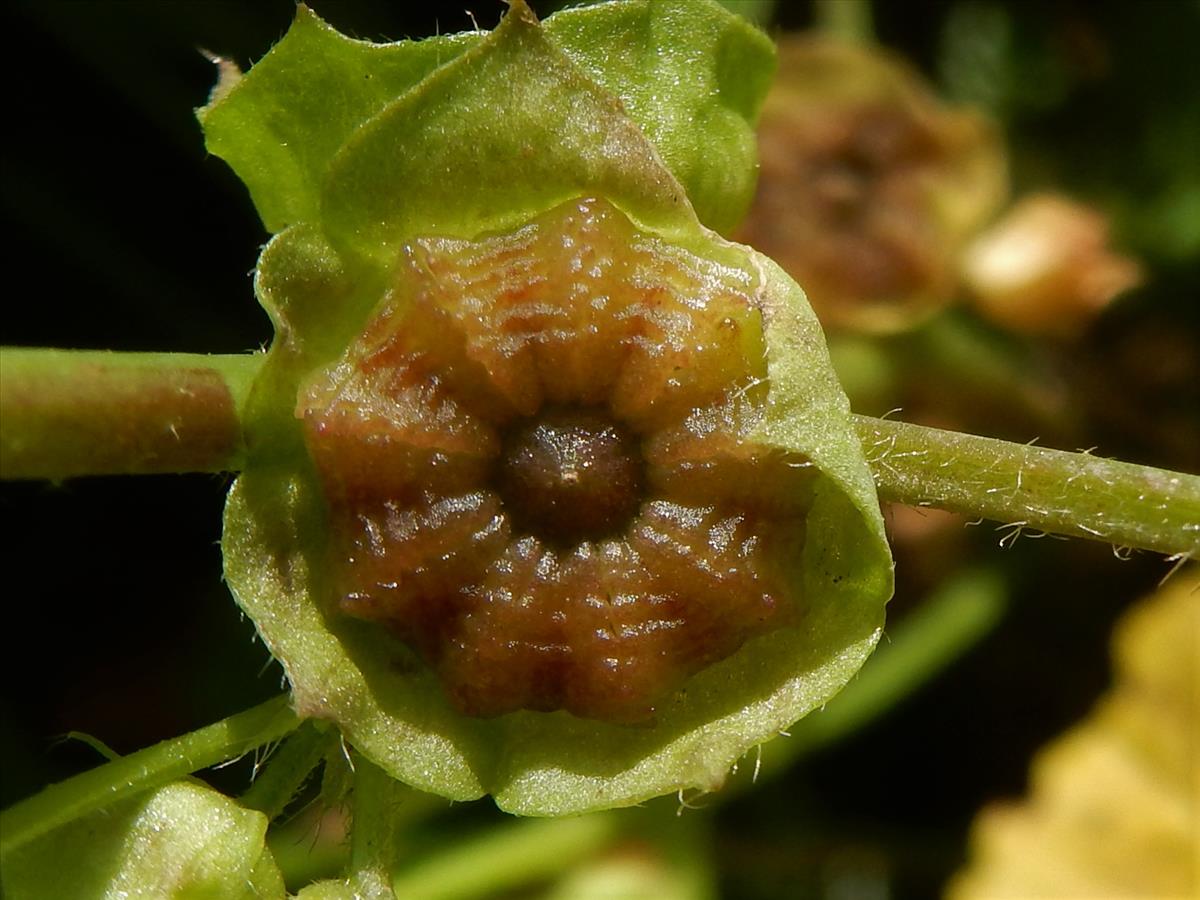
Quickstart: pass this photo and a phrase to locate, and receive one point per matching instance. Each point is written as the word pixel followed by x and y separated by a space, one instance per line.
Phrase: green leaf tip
pixel 437 239
pixel 688 73
pixel 282 122
pixel 441 159
pixel 694 77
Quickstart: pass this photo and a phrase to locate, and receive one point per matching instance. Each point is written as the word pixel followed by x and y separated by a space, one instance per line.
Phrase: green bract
pixel 182 840
pixel 690 75
pixel 647 105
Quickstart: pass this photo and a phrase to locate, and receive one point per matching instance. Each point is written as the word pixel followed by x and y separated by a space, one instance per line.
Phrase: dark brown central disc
pixel 571 475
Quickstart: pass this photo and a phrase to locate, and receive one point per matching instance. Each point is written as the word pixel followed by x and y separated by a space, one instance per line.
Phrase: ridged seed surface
pixel 540 467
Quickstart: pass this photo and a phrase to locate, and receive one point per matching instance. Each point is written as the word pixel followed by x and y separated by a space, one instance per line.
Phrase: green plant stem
pixel 507 857
pixel 1033 488
pixel 143 770
pixel 374 834
pixel 286 770
pixel 69 413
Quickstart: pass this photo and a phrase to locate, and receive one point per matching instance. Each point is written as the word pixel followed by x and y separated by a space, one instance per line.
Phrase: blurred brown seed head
pixel 869 185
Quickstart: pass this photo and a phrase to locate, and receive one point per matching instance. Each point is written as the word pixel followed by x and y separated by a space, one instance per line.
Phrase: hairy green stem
pixel 69 413
pixel 285 771
pixel 374 836
pixel 1033 488
pixel 149 768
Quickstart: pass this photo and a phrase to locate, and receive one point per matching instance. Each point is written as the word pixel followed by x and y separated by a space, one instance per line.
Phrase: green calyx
pixel 463 136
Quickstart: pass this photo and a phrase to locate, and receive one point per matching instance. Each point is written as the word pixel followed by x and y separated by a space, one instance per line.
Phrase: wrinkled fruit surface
pixel 540 473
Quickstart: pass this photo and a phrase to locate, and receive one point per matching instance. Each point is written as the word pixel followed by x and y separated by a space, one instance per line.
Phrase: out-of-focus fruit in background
pixel 870 185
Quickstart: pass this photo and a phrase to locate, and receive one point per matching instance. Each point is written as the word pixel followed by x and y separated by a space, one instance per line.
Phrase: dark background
pixel 121 233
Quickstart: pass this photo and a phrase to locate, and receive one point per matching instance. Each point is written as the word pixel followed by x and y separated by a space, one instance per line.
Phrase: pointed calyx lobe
pixel 540 467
